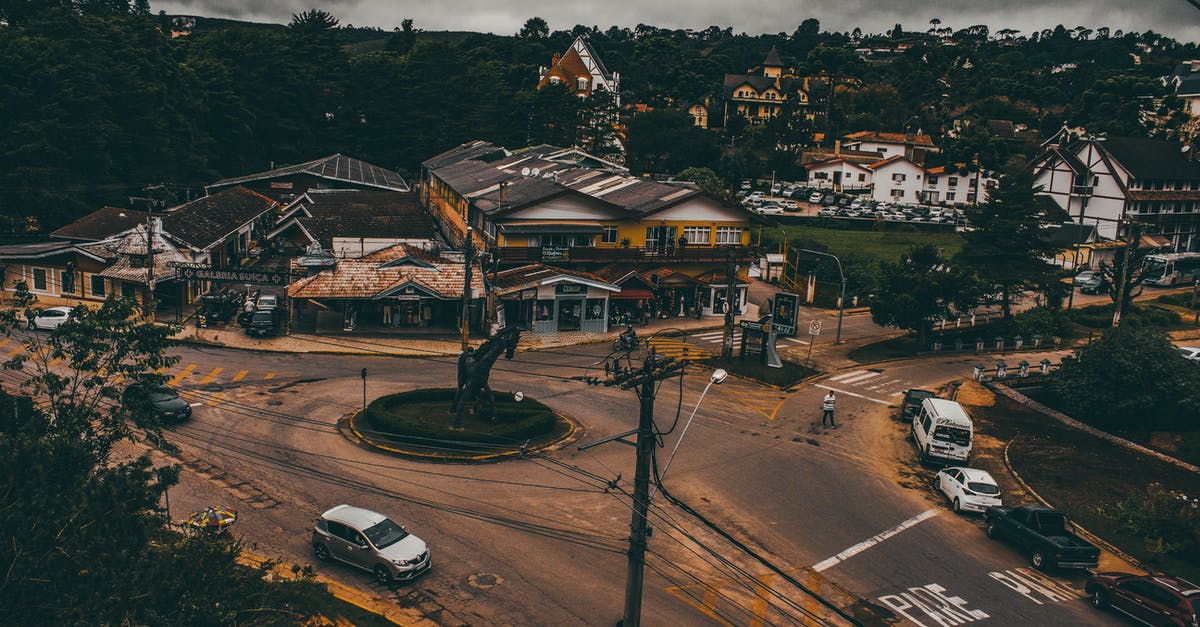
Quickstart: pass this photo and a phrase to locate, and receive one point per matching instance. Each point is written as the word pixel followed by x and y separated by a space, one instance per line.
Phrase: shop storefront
pixel 551 300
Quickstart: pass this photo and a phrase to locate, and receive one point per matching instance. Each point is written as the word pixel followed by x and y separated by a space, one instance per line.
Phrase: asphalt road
pixel 541 540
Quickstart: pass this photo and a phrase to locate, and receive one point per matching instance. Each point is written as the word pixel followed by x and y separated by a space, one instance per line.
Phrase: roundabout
pixel 419 424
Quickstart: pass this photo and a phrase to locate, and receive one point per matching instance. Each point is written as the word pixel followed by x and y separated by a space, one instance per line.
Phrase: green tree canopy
pixel 918 290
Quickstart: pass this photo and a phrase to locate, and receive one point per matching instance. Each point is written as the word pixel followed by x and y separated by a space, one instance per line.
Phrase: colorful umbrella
pixel 214 518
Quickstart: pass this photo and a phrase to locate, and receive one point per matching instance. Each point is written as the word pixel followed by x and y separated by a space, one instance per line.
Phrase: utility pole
pixel 730 297
pixel 468 257
pixel 1133 235
pixel 654 369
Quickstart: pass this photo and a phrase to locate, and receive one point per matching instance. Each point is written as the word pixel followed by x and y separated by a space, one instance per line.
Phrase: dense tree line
pixel 99 101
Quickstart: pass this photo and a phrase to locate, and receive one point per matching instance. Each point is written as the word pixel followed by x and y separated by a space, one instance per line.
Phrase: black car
pixel 263 322
pixel 161 401
pixel 912 403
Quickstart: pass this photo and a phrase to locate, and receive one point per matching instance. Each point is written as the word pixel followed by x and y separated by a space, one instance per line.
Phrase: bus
pixel 1172 268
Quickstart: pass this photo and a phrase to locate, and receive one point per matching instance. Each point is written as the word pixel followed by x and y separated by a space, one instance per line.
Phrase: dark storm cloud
pixel 1176 18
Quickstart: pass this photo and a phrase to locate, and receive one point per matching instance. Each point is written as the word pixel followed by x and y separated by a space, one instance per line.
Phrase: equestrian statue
pixel 474 368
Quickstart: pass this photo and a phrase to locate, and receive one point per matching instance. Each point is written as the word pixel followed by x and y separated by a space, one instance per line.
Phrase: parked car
pixel 1190 352
pixel 1044 533
pixel 968 489
pixel 50 318
pixel 827 212
pixel 776 188
pixel 791 191
pixel 789 205
pixel 370 541
pixel 263 322
pixel 1152 600
pixel 770 210
pixel 943 431
pixel 844 201
pixel 911 405
pixel 267 301
pixel 857 203
pixel 746 184
pixel 162 401
pixel 1090 282
pixel 816 197
pixel 829 200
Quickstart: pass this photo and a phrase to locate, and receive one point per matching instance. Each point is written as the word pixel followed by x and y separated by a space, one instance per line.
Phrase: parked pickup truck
pixel 1044 533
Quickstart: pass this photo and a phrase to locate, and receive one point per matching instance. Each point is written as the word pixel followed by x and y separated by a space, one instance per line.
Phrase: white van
pixel 942 430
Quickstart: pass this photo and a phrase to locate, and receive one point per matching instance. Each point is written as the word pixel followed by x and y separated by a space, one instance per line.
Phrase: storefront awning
pixel 633 294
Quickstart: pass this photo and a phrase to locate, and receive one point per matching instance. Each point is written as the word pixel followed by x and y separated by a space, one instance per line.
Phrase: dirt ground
pixel 1075 472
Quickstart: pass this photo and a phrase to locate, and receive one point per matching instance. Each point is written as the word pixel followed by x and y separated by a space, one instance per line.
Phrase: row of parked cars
pixel 943 432
pixel 835 206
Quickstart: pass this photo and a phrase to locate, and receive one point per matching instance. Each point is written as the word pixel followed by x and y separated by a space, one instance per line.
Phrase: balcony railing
pixel 511 255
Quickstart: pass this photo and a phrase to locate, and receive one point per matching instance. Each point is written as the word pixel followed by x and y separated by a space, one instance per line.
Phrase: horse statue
pixel 474 368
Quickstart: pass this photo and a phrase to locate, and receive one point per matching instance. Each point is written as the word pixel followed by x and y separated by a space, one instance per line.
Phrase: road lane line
pixel 182 374
pixel 212 375
pixel 848 393
pixel 872 541
pixel 792 339
pixel 239 376
pixel 861 377
pixel 847 375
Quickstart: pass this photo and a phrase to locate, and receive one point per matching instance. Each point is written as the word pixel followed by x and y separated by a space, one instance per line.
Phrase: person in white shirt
pixel 827 407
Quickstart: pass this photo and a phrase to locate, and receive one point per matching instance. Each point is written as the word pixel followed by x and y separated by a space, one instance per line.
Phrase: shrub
pixel 1100 316
pixel 1167 521
pixel 423 415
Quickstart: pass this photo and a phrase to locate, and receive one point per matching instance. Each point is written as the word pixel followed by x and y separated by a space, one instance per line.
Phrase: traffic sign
pixel 814 327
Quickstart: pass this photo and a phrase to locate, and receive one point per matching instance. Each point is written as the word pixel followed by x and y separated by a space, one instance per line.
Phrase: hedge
pixel 425 414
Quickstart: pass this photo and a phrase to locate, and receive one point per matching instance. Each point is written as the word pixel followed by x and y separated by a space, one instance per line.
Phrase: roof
pixel 841 159
pixel 336 167
pixel 127 250
pixel 387 272
pixel 469 150
pixel 772 59
pixel 356 517
pixel 1151 158
pixel 328 214
pixel 890 160
pixel 209 220
pixel 1069 234
pixel 100 224
pixel 908 139
pixel 947 412
pixel 536 274
pixel 1051 210
pixel 37 250
pixel 761 83
pixel 1189 86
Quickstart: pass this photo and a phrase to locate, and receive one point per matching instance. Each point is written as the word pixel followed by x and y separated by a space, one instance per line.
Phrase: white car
pixel 1190 352
pixel 50 318
pixel 816 197
pixel 968 489
pixel 370 541
pixel 770 210
pixel 756 196
pixel 775 189
pixel 789 205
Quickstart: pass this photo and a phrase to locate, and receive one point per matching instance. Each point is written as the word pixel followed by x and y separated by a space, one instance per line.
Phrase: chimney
pixel 555 59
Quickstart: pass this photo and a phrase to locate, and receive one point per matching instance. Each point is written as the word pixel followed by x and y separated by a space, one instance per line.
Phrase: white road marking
pixel 846 375
pixel 798 341
pixel 709 336
pixel 848 393
pixel 872 541
pixel 935 603
pixel 861 377
pixel 195 404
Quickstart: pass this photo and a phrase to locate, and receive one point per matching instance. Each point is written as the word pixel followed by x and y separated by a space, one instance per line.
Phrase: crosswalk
pixel 706 344
pixel 875 384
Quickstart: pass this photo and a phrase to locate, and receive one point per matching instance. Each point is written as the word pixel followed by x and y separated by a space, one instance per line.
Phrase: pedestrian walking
pixel 827 407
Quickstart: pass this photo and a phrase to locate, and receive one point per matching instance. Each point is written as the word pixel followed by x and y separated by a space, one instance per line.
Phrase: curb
pixel 574 431
pixel 1082 531
pixel 340 591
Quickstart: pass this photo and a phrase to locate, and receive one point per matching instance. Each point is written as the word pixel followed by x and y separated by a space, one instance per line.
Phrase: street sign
pixel 784 313
pixel 205 272
pixel 814 327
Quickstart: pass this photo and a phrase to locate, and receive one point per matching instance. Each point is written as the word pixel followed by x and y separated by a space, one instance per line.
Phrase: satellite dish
pixel 535 171
pixel 524 171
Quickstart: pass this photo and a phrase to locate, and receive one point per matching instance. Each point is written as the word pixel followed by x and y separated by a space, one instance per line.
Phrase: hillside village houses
pixel 762 92
pixel 889 166
pixel 1111 182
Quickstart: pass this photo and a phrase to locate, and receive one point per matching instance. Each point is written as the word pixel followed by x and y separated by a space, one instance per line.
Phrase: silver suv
pixel 370 541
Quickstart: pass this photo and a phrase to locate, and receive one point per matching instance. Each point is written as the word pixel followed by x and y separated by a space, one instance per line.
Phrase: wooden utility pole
pixel 1132 240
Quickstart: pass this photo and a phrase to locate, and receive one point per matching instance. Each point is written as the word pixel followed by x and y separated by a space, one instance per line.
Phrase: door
pixel 661 238
pixel 1131 597
pixel 570 313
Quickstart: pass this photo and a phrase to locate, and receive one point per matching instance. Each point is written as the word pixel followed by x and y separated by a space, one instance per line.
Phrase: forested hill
pixel 98 107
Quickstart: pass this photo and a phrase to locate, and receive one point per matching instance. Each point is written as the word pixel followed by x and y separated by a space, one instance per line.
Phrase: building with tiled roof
pixel 581 71
pixel 224 227
pixel 1109 182
pixel 353 223
pixel 761 93
pixel 100 224
pixel 913 146
pixel 550 299
pixel 1184 82
pixel 336 171
pixel 400 286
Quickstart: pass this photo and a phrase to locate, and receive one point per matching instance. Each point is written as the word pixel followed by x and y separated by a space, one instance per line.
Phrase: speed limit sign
pixel 814 327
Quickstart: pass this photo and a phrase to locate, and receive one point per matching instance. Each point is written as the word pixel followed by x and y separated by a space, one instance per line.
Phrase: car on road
pixel 370 541
pixel 50 318
pixel 1190 352
pixel 968 489
pixel 162 401
pixel 1151 600
pixel 1090 282
pixel 1044 533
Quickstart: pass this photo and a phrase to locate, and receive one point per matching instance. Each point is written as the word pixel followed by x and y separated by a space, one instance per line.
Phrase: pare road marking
pixel 1035 586
pixel 931 603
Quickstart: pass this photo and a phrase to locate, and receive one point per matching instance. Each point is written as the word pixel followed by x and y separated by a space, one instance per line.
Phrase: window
pixel 821 175
pixel 129 290
pixel 953 181
pixel 545 310
pixel 594 310
pixel 729 235
pixel 68 280
pixel 697 235
pixel 899 177
pixel 862 177
pixel 39 279
pixel 971 197
pixel 96 285
pixel 610 235
pixel 897 194
pixel 581 84
pixel 949 196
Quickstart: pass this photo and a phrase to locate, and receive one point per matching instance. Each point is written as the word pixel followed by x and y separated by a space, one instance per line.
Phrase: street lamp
pixel 842 297
pixel 717 376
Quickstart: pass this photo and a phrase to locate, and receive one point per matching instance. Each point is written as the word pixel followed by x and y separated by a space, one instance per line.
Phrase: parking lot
pixel 784 199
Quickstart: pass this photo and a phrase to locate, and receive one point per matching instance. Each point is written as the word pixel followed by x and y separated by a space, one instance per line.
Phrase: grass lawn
pixel 885 245
pixel 422 419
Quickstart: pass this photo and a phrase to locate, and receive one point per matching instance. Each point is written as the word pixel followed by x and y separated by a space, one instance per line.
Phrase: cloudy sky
pixel 1176 18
